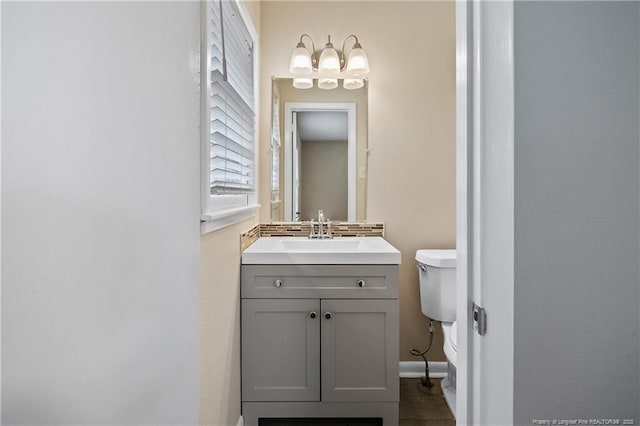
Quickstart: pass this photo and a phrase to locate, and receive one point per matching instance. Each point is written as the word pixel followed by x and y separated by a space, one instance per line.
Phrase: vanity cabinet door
pixel 360 350
pixel 280 350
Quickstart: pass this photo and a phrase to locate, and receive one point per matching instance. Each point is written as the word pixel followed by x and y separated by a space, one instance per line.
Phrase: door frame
pixel 485 207
pixel 290 127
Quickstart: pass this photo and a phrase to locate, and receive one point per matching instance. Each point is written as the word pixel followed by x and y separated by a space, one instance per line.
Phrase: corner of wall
pixel 220 324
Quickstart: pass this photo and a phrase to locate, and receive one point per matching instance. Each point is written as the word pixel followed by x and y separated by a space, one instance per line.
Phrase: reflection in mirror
pixel 322 168
pixel 319 142
pixel 319 153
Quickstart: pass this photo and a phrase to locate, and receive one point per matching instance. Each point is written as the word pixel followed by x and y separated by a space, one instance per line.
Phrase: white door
pixel 485 203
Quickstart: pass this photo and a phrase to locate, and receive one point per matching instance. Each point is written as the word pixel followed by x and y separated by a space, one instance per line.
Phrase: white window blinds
pixel 232 115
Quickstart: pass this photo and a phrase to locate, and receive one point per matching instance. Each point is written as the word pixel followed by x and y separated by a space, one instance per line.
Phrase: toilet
pixel 437 270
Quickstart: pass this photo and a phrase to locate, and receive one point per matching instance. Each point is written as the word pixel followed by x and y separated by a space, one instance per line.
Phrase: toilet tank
pixel 437 271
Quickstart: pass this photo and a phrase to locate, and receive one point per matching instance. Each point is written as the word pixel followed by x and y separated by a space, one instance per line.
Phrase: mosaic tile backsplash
pixel 303 229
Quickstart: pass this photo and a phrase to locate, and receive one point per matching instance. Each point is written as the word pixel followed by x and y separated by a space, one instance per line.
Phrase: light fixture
pixel 358 63
pixel 328 65
pixel 302 62
pixel 327 83
pixel 303 83
pixel 352 83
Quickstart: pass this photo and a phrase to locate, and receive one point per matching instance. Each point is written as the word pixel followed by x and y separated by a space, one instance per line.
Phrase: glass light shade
pixel 300 63
pixel 352 83
pixel 329 63
pixel 303 83
pixel 327 83
pixel 357 63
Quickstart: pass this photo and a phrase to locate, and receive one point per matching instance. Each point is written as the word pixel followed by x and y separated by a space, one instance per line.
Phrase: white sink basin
pixel 304 251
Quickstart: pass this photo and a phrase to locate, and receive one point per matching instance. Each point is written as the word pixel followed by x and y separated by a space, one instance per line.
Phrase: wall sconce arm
pixel 314 57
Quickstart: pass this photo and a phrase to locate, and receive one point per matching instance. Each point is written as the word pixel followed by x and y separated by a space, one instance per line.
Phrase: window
pixel 228 115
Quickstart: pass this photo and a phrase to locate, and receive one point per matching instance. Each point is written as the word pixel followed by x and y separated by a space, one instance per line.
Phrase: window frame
pixel 222 210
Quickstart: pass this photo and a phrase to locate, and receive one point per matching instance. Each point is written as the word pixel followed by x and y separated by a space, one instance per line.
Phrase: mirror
pixel 319 152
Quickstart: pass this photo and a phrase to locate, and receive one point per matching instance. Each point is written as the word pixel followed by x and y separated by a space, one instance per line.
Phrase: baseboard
pixel 415 369
pixel 240 421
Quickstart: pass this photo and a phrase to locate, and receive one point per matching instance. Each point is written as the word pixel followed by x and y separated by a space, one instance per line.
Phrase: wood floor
pixel 420 406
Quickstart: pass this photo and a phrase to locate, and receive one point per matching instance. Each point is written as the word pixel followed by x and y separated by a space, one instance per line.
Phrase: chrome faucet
pixel 320 223
pixel 324 227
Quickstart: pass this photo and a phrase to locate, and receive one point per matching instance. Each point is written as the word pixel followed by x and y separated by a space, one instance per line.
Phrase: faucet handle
pixel 313 233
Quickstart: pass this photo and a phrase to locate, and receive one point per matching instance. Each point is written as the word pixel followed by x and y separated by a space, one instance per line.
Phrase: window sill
pixel 223 218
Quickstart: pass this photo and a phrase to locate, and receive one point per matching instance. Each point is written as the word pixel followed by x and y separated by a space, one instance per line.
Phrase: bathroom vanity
pixel 320 335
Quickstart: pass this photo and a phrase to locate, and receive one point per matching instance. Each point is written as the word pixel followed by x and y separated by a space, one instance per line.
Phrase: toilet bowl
pixel 450 331
pixel 448 384
pixel 437 270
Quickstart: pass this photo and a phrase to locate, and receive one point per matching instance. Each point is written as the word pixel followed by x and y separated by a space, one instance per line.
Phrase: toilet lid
pixel 437 258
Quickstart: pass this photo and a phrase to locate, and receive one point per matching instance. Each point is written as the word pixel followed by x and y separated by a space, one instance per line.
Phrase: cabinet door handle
pixel 277 283
pixel 327 315
pixel 313 314
pixel 361 283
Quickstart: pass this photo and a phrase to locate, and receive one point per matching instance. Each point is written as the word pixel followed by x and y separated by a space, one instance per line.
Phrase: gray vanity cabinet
pixel 319 341
pixel 359 350
pixel 281 350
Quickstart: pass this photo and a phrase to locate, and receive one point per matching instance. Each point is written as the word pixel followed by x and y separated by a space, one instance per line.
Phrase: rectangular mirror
pixel 319 153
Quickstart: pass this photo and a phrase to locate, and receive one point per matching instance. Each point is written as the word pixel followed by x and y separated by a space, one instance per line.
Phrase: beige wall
pixel 220 314
pixel 411 134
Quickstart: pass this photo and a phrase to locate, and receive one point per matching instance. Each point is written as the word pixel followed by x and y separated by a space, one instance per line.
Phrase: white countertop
pixel 336 251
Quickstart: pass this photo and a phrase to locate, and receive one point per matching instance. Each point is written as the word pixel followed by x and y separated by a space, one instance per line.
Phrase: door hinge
pixel 479 317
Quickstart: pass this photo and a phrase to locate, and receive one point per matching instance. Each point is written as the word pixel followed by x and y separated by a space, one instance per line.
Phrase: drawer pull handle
pixel 361 283
pixel 327 315
pixel 313 314
pixel 277 283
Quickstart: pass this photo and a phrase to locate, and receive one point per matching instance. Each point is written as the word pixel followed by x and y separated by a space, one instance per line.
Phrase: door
pixel 280 350
pixel 360 350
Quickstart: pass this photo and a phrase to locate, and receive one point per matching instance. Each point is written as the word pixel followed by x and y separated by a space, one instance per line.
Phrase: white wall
pixel 577 210
pixel 100 209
